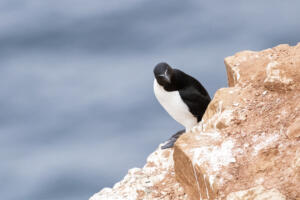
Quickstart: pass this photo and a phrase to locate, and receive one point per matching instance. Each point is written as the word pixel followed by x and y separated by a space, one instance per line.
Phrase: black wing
pixel 193 94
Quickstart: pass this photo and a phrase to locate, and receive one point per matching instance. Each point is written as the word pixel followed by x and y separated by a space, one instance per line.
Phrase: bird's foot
pixel 170 143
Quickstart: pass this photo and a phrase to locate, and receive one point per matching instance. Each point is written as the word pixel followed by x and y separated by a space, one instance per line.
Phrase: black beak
pixel 165 77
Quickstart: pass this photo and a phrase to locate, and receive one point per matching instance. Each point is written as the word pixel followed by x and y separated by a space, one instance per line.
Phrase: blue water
pixel 77 106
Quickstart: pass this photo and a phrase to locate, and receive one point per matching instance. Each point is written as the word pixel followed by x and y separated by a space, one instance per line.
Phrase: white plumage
pixel 174 105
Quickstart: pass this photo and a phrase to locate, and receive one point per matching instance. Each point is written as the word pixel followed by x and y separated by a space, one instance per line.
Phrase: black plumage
pixel 176 90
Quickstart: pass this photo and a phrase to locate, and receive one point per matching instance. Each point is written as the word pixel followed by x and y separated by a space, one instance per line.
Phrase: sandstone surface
pixel 247 146
pixel 248 143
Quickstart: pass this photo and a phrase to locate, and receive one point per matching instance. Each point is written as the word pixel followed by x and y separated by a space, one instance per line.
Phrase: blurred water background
pixel 77 104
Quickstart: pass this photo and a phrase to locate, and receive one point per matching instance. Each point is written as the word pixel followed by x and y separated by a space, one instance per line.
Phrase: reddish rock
pixel 247 145
pixel 294 129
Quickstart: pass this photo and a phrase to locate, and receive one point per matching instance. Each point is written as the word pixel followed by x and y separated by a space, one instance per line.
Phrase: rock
pixel 247 145
pixel 156 180
pixel 278 71
pixel 256 193
pixel 294 129
pixel 219 111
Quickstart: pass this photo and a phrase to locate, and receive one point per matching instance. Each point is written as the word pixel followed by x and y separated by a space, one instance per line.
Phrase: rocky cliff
pixel 246 147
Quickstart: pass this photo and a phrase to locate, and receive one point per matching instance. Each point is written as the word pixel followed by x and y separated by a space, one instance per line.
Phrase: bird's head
pixel 163 74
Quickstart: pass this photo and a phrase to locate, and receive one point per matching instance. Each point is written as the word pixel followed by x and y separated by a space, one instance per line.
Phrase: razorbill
pixel 181 95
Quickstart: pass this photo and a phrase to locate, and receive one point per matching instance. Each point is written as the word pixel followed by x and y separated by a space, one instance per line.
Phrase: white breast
pixel 174 105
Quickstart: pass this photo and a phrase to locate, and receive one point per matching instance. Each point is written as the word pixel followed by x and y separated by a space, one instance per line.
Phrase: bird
pixel 181 95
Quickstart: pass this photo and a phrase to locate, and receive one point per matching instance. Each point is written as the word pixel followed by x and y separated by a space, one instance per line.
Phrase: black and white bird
pixel 182 96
